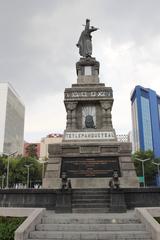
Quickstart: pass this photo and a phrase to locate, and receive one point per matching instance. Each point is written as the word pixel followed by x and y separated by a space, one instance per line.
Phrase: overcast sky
pixel 38 54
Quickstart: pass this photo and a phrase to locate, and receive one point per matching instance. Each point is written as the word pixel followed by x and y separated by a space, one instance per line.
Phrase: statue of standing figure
pixel 85 41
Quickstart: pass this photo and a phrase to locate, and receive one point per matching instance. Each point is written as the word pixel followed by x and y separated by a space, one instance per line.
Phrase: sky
pixel 38 54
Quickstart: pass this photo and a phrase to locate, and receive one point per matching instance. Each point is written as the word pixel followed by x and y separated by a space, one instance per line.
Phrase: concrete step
pixel 90 193
pixel 110 238
pixel 90 210
pixel 85 219
pixel 90 235
pixel 91 189
pixel 89 205
pixel 101 226
pixel 79 196
pixel 90 227
pixel 87 200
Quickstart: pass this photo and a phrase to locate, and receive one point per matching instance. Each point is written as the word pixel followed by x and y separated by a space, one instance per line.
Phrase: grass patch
pixel 157 219
pixel 8 225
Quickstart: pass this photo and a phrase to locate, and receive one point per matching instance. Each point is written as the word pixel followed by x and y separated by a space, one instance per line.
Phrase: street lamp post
pixel 3 177
pixel 158 170
pixel 2 183
pixel 143 161
pixel 43 162
pixel 7 179
pixel 28 166
pixel 8 158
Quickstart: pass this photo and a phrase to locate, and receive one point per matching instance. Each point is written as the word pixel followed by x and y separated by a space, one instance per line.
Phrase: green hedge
pixel 8 225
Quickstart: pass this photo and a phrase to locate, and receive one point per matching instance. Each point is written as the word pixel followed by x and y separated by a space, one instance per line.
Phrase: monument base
pixel 55 183
pixel 90 165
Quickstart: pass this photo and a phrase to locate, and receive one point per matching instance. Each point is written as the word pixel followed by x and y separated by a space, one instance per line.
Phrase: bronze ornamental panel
pixel 83 167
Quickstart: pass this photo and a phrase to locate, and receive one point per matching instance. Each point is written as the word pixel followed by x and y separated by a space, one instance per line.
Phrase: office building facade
pixel 11 120
pixel 146 120
pixel 49 139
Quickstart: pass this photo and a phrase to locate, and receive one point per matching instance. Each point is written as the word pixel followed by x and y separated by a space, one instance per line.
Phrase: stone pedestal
pixel 87 71
pixel 89 152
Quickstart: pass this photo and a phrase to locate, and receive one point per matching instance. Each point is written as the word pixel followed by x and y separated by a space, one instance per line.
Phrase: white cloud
pixel 46 113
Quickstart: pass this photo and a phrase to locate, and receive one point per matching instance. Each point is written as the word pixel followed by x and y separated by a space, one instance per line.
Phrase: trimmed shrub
pixel 8 225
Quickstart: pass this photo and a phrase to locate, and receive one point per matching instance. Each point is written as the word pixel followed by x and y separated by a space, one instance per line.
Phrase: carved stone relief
pixel 106 114
pixel 71 114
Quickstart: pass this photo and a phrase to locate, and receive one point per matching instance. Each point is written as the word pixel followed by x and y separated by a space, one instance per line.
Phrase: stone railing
pixel 146 215
pixel 34 216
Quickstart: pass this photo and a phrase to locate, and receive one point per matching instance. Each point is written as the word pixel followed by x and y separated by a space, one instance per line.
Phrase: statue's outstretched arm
pixel 92 29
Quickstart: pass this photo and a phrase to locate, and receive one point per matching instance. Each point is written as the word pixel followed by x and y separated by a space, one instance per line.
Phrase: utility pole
pixel 158 170
pixel 143 161
pixel 28 166
pixel 8 162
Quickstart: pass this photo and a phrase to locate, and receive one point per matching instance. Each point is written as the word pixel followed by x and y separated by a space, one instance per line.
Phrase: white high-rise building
pixel 12 112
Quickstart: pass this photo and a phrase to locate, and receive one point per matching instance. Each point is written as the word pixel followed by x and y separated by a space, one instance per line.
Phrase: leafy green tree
pixel 2 170
pixel 31 150
pixel 2 165
pixel 18 171
pixel 35 170
pixel 150 168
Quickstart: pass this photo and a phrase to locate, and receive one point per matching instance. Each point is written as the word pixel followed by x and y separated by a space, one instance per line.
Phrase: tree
pixel 31 150
pixel 18 171
pixel 2 165
pixel 21 170
pixel 3 170
pixel 150 168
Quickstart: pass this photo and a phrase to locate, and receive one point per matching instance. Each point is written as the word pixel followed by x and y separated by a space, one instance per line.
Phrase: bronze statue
pixel 85 41
pixel 66 183
pixel 89 122
pixel 114 182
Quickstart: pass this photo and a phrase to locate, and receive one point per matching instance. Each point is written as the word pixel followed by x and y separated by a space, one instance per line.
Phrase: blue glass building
pixel 146 120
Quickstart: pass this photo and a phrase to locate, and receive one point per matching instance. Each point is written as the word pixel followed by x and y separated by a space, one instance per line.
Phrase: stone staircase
pixel 122 226
pixel 90 200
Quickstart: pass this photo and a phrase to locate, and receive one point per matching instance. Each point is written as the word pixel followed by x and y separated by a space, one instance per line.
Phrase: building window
pixel 146 122
pixel 136 145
